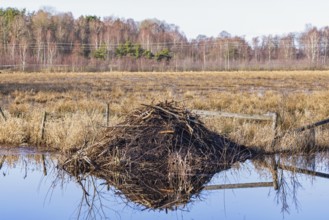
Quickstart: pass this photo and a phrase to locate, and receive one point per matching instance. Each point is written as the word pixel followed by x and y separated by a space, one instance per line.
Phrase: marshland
pixel 110 144
pixel 149 110
pixel 77 104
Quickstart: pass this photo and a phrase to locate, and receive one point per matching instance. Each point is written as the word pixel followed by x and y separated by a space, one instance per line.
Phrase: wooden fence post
pixel 275 121
pixel 274 171
pixel 3 159
pixel 42 127
pixel 2 114
pixel 274 127
pixel 44 165
pixel 107 114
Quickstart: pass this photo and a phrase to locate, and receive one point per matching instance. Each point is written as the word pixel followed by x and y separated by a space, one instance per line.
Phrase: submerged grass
pixel 76 103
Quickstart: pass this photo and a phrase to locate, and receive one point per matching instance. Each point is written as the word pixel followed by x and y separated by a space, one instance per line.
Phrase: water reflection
pixel 167 183
pixel 286 171
pixel 151 188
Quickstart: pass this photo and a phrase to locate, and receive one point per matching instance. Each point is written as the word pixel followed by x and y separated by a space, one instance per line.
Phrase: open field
pixel 77 103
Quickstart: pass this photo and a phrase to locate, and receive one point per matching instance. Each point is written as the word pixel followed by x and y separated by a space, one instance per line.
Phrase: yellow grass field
pixel 76 103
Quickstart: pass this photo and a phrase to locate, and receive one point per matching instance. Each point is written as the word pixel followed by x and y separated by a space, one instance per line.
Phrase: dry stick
pixel 164 110
pixel 2 114
pixel 170 113
pixel 42 128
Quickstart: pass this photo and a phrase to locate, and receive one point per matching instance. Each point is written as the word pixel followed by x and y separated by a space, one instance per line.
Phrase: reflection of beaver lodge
pixel 158 157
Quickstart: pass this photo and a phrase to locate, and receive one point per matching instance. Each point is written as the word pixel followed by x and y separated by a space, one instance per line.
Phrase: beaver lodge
pixel 159 157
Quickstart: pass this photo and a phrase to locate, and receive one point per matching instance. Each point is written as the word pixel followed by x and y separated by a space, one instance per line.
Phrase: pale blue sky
pixel 209 17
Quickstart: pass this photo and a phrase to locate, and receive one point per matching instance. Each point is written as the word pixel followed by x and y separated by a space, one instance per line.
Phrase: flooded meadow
pixel 129 146
pixel 34 186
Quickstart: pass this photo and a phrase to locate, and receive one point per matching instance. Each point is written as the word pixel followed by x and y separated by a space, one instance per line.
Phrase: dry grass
pixel 298 97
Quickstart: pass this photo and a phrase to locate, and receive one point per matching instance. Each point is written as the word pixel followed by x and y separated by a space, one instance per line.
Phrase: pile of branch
pixel 159 156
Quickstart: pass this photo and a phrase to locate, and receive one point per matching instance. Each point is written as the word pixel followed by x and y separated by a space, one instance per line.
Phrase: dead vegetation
pixel 159 156
pixel 80 99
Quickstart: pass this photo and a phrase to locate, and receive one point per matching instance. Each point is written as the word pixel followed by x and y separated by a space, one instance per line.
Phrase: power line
pixel 158 44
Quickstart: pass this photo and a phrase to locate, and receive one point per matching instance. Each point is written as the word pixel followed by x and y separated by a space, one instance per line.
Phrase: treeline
pixel 39 41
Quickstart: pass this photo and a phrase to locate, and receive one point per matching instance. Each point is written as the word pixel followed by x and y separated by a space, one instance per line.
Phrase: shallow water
pixel 32 187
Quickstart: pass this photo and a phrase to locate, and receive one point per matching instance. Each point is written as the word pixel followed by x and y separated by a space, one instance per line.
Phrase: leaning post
pixel 107 114
pixel 42 127
pixel 274 127
pixel 3 114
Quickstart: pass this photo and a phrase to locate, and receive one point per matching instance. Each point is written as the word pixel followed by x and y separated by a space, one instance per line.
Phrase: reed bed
pixel 80 99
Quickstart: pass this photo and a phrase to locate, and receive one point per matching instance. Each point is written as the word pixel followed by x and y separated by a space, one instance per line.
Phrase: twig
pixel 164 110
